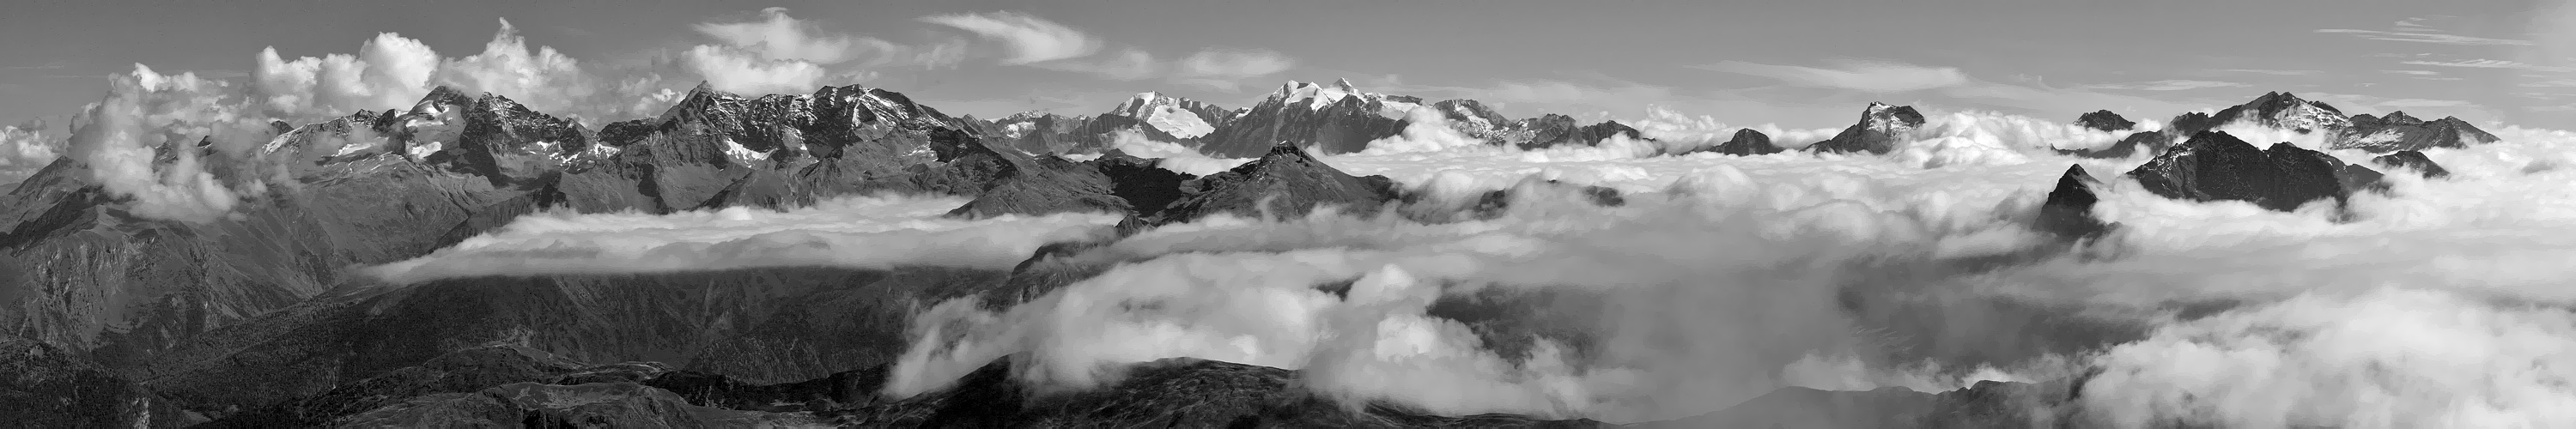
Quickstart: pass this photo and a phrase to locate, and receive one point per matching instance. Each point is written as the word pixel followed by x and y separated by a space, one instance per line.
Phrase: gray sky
pixel 1800 64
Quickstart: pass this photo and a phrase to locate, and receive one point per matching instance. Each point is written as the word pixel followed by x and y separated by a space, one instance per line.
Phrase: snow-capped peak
pixel 1317 96
pixel 1171 115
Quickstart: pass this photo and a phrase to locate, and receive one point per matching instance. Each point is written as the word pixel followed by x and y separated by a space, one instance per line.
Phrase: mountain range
pixel 258 319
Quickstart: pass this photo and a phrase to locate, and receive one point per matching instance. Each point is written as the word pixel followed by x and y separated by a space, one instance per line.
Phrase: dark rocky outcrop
pixel 44 386
pixel 1011 183
pixel 2147 141
pixel 2400 132
pixel 552 405
pixel 2412 160
pixel 1881 127
pixel 2217 166
pixel 2104 120
pixel 1746 142
pixel 2068 212
pixel 1146 187
pixel 1284 183
pixel 763 325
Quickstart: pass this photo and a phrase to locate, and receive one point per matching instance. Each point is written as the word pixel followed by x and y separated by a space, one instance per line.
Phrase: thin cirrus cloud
pixel 2408 31
pixel 1856 75
pixel 2166 85
pixel 1036 42
pixel 1031 39
pixel 2274 72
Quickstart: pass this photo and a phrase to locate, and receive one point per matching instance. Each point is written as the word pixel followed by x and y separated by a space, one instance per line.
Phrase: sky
pixel 1808 64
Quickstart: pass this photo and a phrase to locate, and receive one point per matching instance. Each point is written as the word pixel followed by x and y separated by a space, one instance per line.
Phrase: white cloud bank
pixel 856 232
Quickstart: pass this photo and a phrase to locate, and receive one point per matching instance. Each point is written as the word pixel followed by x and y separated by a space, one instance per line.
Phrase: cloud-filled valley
pixel 385 236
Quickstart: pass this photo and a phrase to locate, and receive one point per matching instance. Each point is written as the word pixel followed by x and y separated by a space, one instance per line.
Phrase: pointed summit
pixel 1880 128
pixel 1284 183
pixel 2068 212
pixel 1344 84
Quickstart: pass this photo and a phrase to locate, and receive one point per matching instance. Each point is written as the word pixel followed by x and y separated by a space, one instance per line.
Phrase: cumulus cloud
pixel 1173 156
pixel 119 139
pixel 1031 39
pixel 780 37
pixel 24 148
pixel 2384 358
pixel 389 70
pixel 1857 75
pixel 1426 129
pixel 740 71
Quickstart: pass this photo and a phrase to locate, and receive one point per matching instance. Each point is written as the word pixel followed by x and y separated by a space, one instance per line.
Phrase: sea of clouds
pixel 1720 278
pixel 2443 304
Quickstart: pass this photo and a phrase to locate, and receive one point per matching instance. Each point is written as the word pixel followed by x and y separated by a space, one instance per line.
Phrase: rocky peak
pixel 2104 120
pixel 2412 160
pixel 1881 127
pixel 1746 142
pixel 2214 165
pixel 1284 182
pixel 2285 111
pixel 2400 118
pixel 2068 212
pixel 2400 132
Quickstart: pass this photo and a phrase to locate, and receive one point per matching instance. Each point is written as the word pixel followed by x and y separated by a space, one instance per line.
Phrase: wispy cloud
pixel 1038 42
pixel 1126 65
pixel 1031 39
pixel 2412 72
pixel 2274 72
pixel 2424 35
pixel 2474 63
pixel 2165 85
pixel 1856 75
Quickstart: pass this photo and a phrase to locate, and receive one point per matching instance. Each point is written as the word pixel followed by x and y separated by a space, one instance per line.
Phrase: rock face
pixel 715 149
pixel 2147 141
pixel 2104 120
pixel 1329 119
pixel 2068 212
pixel 1035 186
pixel 1286 182
pixel 2412 160
pixel 1881 127
pixel 51 387
pixel 1473 119
pixel 1746 142
pixel 765 325
pixel 2399 132
pixel 2217 166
